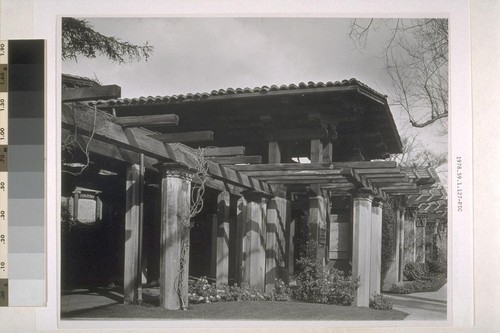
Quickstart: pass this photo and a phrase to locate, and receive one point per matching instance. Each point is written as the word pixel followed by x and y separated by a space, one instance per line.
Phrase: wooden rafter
pixel 237 159
pixel 224 151
pixel 197 136
pixel 137 140
pixel 92 93
pixel 152 120
pixel 382 165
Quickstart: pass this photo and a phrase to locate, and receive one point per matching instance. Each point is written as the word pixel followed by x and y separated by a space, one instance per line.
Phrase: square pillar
pixel 131 257
pixel 240 245
pixel 376 247
pixel 274 152
pixel 316 151
pixel 317 223
pixel 278 215
pixel 401 265
pixel 255 238
pixel 361 217
pixel 392 275
pixel 174 236
pixel 222 244
pixel 290 246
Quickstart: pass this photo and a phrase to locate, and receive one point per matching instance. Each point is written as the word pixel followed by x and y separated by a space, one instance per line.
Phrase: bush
pixel 438 266
pixel 321 284
pixel 415 271
pixel 201 291
pixel 433 283
pixel 380 302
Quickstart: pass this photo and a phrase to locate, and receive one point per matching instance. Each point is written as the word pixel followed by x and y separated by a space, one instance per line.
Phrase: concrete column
pixel 255 247
pixel 362 217
pixel 175 210
pixel 222 262
pixel 131 258
pixel 376 247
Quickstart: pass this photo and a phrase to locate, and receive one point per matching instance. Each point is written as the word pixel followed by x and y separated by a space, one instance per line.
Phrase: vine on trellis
pixel 197 192
pixel 73 144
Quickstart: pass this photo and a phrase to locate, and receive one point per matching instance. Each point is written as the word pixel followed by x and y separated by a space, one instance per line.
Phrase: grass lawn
pixel 239 311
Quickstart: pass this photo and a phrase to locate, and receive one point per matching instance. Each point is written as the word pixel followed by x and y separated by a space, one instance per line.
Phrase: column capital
pixel 377 202
pixel 363 193
pixel 175 170
pixel 256 196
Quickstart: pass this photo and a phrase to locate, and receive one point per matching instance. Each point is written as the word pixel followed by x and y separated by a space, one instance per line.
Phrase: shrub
pixel 438 266
pixel 380 302
pixel 433 283
pixel 415 271
pixel 201 291
pixel 321 284
pixel 281 292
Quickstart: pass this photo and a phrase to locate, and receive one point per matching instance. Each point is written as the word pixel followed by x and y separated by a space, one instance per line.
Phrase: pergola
pixel 250 138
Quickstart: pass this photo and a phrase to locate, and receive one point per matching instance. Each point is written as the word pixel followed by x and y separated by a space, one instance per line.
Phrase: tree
pixel 415 154
pixel 416 60
pixel 80 38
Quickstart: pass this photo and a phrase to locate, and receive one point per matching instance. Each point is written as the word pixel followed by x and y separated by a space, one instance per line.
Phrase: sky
pixel 203 54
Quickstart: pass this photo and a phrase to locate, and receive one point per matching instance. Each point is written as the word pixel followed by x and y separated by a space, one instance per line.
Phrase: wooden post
pixel 316 151
pixel 361 218
pixel 391 276
pixel 255 252
pixel 175 210
pixel 278 216
pixel 240 255
pixel 274 152
pixel 290 248
pixel 222 260
pixel 376 247
pixel 131 262
pixel 213 246
pixel 401 217
pixel 317 223
pixel 327 153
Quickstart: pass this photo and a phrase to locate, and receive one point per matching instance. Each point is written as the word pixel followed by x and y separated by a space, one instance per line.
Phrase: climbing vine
pixel 197 191
pixel 74 146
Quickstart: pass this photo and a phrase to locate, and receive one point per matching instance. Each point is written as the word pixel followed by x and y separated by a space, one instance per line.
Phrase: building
pixel 129 206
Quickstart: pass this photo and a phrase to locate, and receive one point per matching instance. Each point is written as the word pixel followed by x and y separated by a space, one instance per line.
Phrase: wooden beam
pixel 236 159
pixel 197 136
pixel 292 173
pixel 224 151
pixel 383 165
pixel 151 120
pixel 302 181
pixel 296 134
pixel 323 178
pixel 137 140
pixel 91 94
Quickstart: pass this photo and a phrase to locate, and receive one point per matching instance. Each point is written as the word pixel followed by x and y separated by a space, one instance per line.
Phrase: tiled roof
pixel 75 81
pixel 234 91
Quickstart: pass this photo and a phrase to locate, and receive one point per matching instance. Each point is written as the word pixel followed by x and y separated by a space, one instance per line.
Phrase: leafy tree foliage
pixel 80 38
pixel 416 57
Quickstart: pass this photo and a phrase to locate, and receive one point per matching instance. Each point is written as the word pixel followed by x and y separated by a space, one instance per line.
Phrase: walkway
pixel 422 306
